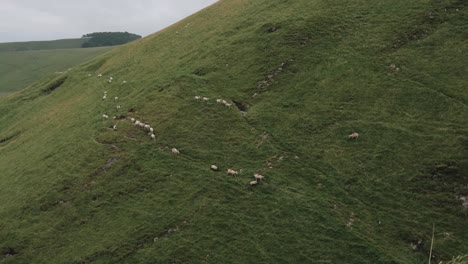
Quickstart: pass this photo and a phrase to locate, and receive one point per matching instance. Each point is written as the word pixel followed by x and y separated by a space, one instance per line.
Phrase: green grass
pixel 42 45
pixel 20 68
pixel 74 191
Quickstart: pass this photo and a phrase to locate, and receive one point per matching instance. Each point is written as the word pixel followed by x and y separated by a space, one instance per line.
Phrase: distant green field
pixel 42 45
pixel 21 68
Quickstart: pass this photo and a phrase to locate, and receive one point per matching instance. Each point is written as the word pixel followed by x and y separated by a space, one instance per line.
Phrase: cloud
pixel 22 20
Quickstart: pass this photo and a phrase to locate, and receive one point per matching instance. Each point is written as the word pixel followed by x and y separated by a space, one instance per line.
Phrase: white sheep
pixel 116 98
pixel 110 81
pixel 99 75
pixel 118 107
pixel 110 78
pixel 219 101
pixel 104 97
pixel 132 119
pixel 147 127
pixel 353 135
pixel 253 182
pixel 232 172
pixel 175 151
pixel 151 129
pixel 124 82
pixel 224 102
pixel 197 97
pixel 137 123
pixel 114 127
pixel 259 176
pixel 214 167
pixel 205 99
pixel 105 116
pixel 228 105
pixel 153 136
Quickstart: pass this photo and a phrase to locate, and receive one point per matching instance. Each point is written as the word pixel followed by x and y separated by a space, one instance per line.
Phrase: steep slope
pixel 305 75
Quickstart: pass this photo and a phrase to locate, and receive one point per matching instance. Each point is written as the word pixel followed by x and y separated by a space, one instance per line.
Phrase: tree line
pixel 100 39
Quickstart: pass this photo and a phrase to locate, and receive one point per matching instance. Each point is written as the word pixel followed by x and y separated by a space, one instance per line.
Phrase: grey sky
pixel 23 20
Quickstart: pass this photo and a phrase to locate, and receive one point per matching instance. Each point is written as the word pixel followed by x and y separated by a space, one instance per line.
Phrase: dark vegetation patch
pixel 449 175
pixel 444 184
pixel 427 24
pixel 54 85
pixel 241 106
pixel 7 139
pixel 8 252
pixel 270 27
pixel 200 72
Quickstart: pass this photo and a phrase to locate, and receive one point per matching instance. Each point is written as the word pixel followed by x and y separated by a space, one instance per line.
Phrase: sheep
pixel 151 129
pixel 205 99
pixel 219 101
pixel 105 92
pixel 147 127
pixel 142 125
pixel 197 97
pixel 175 151
pixel 214 167
pixel 99 75
pixel 153 136
pixel 228 105
pixel 118 107
pixel 110 81
pixel 105 116
pixel 232 172
pixel 353 135
pixel 110 78
pixel 104 97
pixel 259 176
pixel 114 127
pixel 116 98
pixel 252 183
pixel 137 123
pixel 132 119
pixel 224 102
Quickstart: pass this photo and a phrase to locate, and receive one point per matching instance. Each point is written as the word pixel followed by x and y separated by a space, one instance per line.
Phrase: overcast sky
pixel 23 20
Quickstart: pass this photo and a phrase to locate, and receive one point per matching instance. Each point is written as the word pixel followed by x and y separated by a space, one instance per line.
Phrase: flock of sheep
pixel 219 101
pixel 150 131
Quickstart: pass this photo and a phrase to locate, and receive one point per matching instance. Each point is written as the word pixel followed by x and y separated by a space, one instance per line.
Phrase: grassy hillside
pixel 306 74
pixel 42 45
pixel 21 68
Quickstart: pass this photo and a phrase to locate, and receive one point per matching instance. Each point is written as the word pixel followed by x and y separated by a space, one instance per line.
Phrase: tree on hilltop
pixel 100 39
